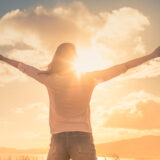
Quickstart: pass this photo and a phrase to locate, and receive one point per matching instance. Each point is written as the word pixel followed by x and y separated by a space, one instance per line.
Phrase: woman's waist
pixel 73 134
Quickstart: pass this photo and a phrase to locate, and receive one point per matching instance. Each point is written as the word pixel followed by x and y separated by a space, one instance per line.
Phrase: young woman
pixel 69 95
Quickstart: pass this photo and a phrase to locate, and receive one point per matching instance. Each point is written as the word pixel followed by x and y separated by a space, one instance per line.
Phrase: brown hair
pixel 62 59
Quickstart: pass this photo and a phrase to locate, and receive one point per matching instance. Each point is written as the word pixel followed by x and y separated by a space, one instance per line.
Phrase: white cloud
pixel 134 115
pixel 121 33
pixel 138 110
pixel 122 23
pixel 40 110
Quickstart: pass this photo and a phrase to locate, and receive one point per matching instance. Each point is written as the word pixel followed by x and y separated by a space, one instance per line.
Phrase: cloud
pixel 51 27
pixel 9 74
pixel 19 46
pixel 32 36
pixel 31 123
pixel 134 115
pixel 123 22
pixel 138 110
pixel 121 34
pixel 40 110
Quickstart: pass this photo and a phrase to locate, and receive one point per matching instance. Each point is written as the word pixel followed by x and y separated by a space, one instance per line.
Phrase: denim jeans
pixel 74 145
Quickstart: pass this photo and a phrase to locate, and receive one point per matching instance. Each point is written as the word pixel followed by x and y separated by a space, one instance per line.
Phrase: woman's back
pixel 69 102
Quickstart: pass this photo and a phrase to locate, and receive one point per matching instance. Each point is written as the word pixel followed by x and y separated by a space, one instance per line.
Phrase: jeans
pixel 74 145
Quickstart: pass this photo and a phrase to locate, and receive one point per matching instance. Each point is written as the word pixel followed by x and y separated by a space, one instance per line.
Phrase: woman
pixel 69 95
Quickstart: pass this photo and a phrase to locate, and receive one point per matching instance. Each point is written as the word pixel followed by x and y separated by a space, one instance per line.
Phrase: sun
pixel 86 62
pixel 81 65
pixel 78 67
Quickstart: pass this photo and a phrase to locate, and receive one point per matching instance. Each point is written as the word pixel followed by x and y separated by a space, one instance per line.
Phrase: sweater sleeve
pixel 107 74
pixel 32 72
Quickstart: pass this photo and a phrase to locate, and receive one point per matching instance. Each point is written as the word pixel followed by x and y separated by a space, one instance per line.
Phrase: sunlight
pixel 101 158
pixel 87 61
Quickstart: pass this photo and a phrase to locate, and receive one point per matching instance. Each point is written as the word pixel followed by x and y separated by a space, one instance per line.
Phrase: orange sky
pixel 125 107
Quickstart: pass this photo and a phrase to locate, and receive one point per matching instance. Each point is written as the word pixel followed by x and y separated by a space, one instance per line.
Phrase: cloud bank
pixel 32 36
pixel 134 115
pixel 138 110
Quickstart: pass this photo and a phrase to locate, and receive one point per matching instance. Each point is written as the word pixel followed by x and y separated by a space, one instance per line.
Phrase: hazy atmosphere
pixel 105 33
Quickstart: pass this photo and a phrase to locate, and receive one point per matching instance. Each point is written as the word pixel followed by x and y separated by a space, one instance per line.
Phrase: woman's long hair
pixel 62 59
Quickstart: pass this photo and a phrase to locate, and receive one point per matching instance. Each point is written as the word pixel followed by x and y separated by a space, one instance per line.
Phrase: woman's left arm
pixel 27 69
pixel 12 62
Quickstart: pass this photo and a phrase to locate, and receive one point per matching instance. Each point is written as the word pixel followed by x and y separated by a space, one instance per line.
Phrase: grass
pixel 40 157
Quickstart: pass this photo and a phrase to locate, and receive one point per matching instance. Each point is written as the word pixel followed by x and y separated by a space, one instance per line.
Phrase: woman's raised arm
pixel 138 61
pixel 109 73
pixel 12 62
pixel 27 69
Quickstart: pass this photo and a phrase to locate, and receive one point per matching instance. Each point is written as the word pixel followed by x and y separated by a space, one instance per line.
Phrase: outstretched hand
pixel 156 52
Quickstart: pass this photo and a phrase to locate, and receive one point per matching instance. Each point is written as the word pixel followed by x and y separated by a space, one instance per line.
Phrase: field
pixel 44 157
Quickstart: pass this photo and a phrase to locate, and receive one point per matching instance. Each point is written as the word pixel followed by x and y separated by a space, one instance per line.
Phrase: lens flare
pixel 87 61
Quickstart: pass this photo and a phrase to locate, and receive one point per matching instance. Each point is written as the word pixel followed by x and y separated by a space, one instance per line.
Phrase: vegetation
pixel 39 157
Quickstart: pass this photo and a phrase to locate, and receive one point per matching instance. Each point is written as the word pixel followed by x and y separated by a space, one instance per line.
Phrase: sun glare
pixel 87 61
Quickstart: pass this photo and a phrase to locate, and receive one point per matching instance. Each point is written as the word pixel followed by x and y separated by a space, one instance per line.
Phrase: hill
pixel 147 146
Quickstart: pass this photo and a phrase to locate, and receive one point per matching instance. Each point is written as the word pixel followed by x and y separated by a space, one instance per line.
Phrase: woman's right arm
pixel 109 73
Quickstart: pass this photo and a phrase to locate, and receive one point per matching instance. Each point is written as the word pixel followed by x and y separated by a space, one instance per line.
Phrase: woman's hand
pixel 156 52
pixel 1 57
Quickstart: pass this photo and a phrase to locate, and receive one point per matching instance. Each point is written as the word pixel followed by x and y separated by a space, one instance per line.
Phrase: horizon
pixel 105 34
pixel 110 142
pixel 127 149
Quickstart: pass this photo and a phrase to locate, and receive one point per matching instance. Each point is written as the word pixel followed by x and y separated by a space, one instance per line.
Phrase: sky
pixel 105 33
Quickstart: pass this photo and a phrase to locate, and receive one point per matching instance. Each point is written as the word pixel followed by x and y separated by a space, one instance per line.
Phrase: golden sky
pixel 125 107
